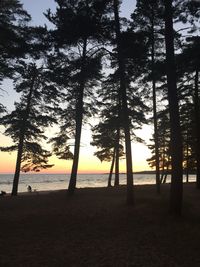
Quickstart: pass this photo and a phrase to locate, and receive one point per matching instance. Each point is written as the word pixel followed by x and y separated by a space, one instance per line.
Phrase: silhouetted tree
pixel 123 97
pixel 107 139
pixel 176 138
pixel 26 124
pixel 80 27
pixel 189 92
pixel 147 19
pixel 163 144
pixel 13 26
pixel 13 20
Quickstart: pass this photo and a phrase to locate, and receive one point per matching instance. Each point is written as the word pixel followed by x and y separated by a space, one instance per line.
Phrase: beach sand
pixel 96 228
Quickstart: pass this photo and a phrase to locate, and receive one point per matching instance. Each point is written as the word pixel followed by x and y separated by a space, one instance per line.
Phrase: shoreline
pixel 41 192
pixel 59 182
pixel 38 192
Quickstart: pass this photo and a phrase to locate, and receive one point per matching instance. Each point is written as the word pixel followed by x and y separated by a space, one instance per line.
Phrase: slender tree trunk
pixel 166 171
pixel 162 177
pixel 21 138
pixel 111 168
pixel 155 108
pixel 163 158
pixel 79 119
pixel 123 96
pixel 18 163
pixel 116 183
pixel 175 129
pixel 187 159
pixel 163 164
pixel 197 126
pixel 165 177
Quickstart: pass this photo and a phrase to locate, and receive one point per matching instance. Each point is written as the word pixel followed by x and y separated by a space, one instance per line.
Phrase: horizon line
pixel 38 173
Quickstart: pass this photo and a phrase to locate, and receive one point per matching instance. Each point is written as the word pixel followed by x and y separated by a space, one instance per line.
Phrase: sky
pixel 88 163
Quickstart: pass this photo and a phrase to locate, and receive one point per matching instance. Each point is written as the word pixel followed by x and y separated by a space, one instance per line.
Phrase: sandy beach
pixel 96 228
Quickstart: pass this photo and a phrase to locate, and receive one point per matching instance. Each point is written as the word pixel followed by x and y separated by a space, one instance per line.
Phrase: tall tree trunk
pixel 187 159
pixel 163 163
pixel 125 114
pixel 166 170
pixel 79 119
pixel 175 129
pixel 116 183
pixel 155 107
pixel 21 138
pixel 111 168
pixel 197 125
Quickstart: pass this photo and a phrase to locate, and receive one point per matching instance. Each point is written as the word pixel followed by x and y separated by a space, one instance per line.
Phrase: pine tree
pixel 26 124
pixel 13 27
pixel 189 92
pixel 176 138
pixel 79 30
pixel 123 97
pixel 147 19
pixel 108 133
pixel 163 144
pixel 107 137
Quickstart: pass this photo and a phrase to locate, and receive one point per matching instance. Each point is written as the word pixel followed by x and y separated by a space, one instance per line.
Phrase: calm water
pixel 42 182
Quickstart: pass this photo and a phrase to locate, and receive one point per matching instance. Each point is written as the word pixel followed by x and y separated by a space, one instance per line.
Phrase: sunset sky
pixel 88 163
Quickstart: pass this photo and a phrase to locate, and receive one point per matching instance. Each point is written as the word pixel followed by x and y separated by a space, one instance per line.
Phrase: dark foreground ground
pixel 95 228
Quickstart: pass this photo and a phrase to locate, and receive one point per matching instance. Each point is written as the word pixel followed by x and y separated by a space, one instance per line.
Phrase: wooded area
pixel 92 62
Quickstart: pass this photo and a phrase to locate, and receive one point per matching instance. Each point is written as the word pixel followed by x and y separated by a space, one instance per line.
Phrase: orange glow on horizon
pixel 88 163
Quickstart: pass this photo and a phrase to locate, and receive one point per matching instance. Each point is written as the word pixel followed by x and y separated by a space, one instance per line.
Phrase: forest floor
pixel 96 228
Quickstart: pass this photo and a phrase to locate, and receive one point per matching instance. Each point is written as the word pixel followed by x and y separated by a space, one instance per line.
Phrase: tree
pixel 26 124
pixel 187 128
pixel 13 20
pixel 80 29
pixel 123 97
pixel 163 144
pixel 147 19
pixel 189 92
pixel 108 134
pixel 175 129
pixel 107 138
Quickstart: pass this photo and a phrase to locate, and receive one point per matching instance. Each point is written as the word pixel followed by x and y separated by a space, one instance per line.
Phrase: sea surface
pixel 44 182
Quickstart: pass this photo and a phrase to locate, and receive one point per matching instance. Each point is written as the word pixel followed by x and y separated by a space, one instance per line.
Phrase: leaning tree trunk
pixel 155 121
pixel 18 162
pixel 111 169
pixel 197 126
pixel 21 139
pixel 175 129
pixel 125 116
pixel 79 119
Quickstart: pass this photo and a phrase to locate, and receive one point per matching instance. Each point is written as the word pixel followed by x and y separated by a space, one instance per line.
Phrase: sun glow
pixel 87 163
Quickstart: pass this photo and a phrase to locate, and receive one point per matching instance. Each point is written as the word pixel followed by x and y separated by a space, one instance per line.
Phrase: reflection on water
pixel 42 182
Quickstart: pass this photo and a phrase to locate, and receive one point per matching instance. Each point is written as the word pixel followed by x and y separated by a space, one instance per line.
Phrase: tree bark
pixel 21 138
pixel 197 126
pixel 111 169
pixel 79 119
pixel 123 97
pixel 176 191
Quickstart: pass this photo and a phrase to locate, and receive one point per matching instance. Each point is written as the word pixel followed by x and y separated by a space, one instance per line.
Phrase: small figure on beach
pixel 2 193
pixel 29 188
